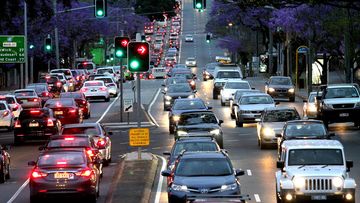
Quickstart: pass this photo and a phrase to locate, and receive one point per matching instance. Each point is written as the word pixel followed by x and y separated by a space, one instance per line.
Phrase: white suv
pixel 222 73
pixel 314 170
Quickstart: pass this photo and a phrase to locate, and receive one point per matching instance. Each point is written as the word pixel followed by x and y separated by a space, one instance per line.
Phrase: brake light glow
pixel 6 113
pixel 84 102
pixel 58 84
pixel 58 104
pixel 50 123
pixel 77 77
pixel 84 173
pixel 34 111
pixel 101 143
pixel 17 124
pixel 69 138
pixel 38 174
pixel 61 163
pixel 35 100
pixel 45 94
pixel 16 107
pixel 102 88
pixel 83 89
pixel 47 77
pixel 90 152
pixel 72 111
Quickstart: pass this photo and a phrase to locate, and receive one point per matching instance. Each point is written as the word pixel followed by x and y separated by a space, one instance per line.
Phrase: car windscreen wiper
pixel 302 166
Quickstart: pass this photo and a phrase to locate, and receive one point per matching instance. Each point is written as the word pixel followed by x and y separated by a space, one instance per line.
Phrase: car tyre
pixel 239 124
pixel 222 103
pixel 171 129
pixel 215 96
pixel 107 99
pixel 232 116
pixel 204 79
pixel 262 145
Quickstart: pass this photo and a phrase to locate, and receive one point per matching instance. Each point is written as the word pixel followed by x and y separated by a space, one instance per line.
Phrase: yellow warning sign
pixel 139 137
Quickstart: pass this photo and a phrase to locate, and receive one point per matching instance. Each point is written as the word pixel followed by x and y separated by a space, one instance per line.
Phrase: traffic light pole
pixel 138 108
pixel 121 90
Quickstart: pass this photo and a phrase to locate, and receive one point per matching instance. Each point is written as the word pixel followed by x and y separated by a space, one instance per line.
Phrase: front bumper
pixel 97 94
pixel 179 196
pixel 276 94
pixel 248 118
pixel 321 196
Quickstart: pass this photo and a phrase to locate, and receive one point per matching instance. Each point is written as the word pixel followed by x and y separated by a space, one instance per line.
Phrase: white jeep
pixel 314 170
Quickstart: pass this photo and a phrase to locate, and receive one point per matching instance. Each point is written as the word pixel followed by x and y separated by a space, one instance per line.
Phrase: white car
pixel 13 104
pixel 95 89
pixel 230 88
pixel 189 38
pixel 158 72
pixel 7 117
pixel 191 62
pixel 110 84
pixel 108 71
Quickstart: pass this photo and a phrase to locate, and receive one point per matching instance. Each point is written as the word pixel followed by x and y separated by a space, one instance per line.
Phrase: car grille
pixel 256 112
pixel 281 90
pixel 316 184
pixel 204 190
pixel 342 106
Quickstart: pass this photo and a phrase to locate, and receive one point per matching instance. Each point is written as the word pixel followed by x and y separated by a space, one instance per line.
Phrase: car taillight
pixel 50 123
pixel 58 84
pixel 16 107
pixel 6 113
pixel 101 142
pixel 84 173
pixel 35 100
pixel 103 88
pixel 77 77
pixel 84 102
pixel 38 174
pixel 17 124
pixel 90 152
pixel 72 111
pixel 83 89
pixel 45 94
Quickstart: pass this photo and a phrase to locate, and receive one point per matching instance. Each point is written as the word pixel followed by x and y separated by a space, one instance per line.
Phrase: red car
pixel 66 110
pixel 80 100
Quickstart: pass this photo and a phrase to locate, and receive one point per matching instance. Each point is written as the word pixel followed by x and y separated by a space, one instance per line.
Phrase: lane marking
pixel 150 106
pixel 257 198
pixel 19 191
pixel 249 172
pixel 161 179
pixel 108 108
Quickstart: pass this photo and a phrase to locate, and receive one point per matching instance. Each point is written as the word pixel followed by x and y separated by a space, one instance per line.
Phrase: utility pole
pixel 26 51
pixel 56 36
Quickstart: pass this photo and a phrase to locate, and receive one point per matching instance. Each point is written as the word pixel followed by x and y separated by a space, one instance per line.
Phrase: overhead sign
pixel 128 105
pixel 12 49
pixel 139 137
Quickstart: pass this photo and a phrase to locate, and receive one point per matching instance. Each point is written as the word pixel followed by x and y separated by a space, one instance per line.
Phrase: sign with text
pixel 12 49
pixel 139 137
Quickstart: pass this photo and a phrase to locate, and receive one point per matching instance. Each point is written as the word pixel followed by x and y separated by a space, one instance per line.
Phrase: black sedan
pixel 64 172
pixel 280 87
pixel 4 164
pixel 177 91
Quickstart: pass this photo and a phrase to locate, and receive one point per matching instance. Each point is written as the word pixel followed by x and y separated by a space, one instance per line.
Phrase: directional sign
pixel 128 105
pixel 12 49
pixel 139 137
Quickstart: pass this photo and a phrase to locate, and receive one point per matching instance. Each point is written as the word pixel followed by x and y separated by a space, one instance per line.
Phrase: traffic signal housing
pixel 199 4
pixel 121 44
pixel 100 10
pixel 138 57
pixel 48 44
pixel 208 37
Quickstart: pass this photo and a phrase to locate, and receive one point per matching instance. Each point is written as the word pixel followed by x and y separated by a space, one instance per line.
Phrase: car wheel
pixel 2 175
pixel 92 198
pixel 107 99
pixel 262 144
pixel 222 103
pixel 204 79
pixel 232 116
pixel 292 99
pixel 239 124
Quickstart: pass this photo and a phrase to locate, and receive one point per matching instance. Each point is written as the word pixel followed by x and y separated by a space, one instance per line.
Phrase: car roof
pixel 278 76
pixel 255 94
pixel 60 137
pixel 312 144
pixel 203 154
pixel 22 90
pixel 7 95
pixel 79 125
pixel 189 99
pixel 238 80
pixel 340 85
pixel 62 150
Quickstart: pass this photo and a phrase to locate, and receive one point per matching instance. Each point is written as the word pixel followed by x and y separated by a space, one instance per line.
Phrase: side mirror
pixel 221 122
pixel 110 133
pixel 277 135
pixel 166 173
pixel 166 153
pixel 31 163
pixel 280 164
pixel 239 172
pixel 277 103
pixel 163 85
pixel 209 107
pixel 349 164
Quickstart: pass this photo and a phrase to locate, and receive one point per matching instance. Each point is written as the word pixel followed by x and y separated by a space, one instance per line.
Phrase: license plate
pixel 64 175
pixel 344 115
pixel 33 124
pixel 24 100
pixel 58 113
pixel 93 90
pixel 318 197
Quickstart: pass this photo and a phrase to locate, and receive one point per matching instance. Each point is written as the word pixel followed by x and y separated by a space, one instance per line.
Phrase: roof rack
pixel 217 198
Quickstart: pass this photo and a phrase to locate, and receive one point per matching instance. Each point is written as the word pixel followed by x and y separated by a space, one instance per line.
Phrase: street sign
pixel 128 105
pixel 12 49
pixel 139 137
pixel 302 49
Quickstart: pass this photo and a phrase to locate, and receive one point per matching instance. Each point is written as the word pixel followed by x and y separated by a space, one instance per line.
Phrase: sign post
pixel 299 50
pixel 128 107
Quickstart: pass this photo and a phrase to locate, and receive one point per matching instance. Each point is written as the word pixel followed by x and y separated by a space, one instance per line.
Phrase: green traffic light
pixel 48 47
pixel 198 6
pixel 99 12
pixel 119 53
pixel 112 58
pixel 134 64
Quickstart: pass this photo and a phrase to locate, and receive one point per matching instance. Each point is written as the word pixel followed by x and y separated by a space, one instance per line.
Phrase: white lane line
pixel 18 191
pixel 150 106
pixel 249 172
pixel 161 179
pixel 257 198
pixel 27 180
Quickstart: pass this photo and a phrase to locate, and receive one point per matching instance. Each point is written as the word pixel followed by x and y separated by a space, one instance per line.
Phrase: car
pixel 97 132
pixel 80 100
pixel 314 170
pixel 309 107
pixel 68 75
pixel 189 38
pixel 27 98
pixel 110 84
pixel 175 91
pixel 191 62
pixel 42 90
pixel 208 71
pixel 62 78
pixel 271 122
pixel 178 70
pixel 230 87
pixel 89 66
pixel 339 103
pixel 7 118
pixel 54 83
pixel 73 169
pixel 4 164
pixel 158 72
pixel 108 71
pixel 251 106
pixel 35 124
pixel 184 105
pixel 195 123
pixel 302 129
pixel 190 144
pixel 95 89
pixel 174 80
pixel 202 173
pixel 222 73
pixel 179 65
pixel 234 100
pixel 79 78
pixel 66 110
pixel 93 76
pixel 170 62
pixel 13 104
pixel 189 76
pixel 174 51
pixel 280 87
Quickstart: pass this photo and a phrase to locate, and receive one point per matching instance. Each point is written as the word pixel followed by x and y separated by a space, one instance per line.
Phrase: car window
pixel 187 105
pixel 194 146
pixel 197 118
pixel 228 74
pixel 104 71
pixel 237 85
pixel 71 95
pixel 238 94
pixel 35 113
pixel 305 130
pixel 9 100
pixel 281 116
pixel 91 130
pixel 179 88
pixel 187 76
pixel 341 92
pixel 204 167
pixel 51 103
pixel 256 100
pixel 315 157
pixel 37 88
pixel 25 93
pixel 93 83
pixel 69 142
pixel 2 106
pixel 106 80
pixel 64 158
pixel 280 81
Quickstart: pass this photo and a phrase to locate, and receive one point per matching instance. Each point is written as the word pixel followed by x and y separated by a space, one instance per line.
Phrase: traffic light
pixel 199 4
pixel 138 57
pixel 121 44
pixel 100 10
pixel 143 39
pixel 208 37
pixel 48 44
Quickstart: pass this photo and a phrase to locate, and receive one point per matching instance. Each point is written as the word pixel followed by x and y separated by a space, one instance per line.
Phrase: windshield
pixel 305 130
pixel 256 100
pixel 188 105
pixel 210 66
pixel 280 81
pixel 106 80
pixel 197 118
pixel 194 146
pixel 228 74
pixel 105 71
pixel 204 167
pixel 315 157
pixel 25 93
pixel 341 92
pixel 187 76
pixel 63 158
pixel 81 130
pixel 239 93
pixel 281 116
pixel 179 88
pixel 38 88
pixel 51 103
pixel 176 80
pixel 93 83
pixel 71 95
pixel 35 113
pixel 237 85
pixel 69 142
pixel 87 66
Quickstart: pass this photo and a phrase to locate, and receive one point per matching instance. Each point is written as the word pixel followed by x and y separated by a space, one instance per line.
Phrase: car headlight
pixel 327 106
pixel 228 187
pixel 192 83
pixel 181 133
pixel 268 132
pixel 338 182
pixel 182 188
pixel 176 118
pixel 357 105
pixel 299 182
pixel 271 89
pixel 291 90
pixel 165 89
pixel 312 108
pixel 168 97
pixel 215 132
pixel 191 96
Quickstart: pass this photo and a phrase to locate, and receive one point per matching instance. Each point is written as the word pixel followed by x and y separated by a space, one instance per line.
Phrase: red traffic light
pixel 141 50
pixel 124 42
